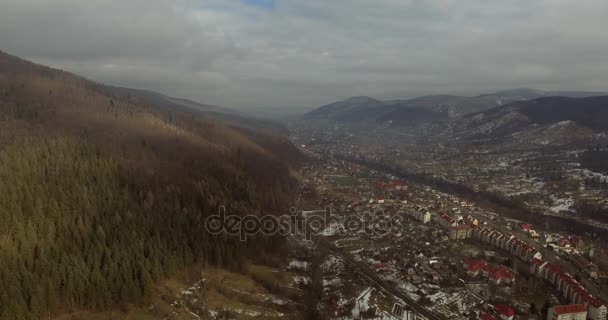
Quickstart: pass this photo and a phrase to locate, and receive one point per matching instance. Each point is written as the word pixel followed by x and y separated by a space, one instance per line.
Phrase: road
pixel 374 278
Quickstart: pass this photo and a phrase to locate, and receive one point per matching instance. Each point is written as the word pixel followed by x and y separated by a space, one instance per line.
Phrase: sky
pixel 306 53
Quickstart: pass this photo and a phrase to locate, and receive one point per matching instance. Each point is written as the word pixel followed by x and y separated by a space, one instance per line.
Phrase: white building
pixel 569 312
pixel 597 310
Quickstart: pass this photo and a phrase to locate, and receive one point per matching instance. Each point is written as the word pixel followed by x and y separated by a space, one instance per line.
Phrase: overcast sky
pixel 295 53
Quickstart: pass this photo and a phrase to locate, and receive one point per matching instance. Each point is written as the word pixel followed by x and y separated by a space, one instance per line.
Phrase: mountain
pixel 162 100
pixel 590 112
pixel 227 116
pixel 430 108
pixel 405 113
pixel 355 108
pixel 518 93
pixel 103 195
pixel 543 120
pixel 366 109
pixel 450 105
pixel 520 116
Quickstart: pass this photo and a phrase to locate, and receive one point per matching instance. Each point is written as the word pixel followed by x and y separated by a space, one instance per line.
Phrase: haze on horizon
pixel 288 53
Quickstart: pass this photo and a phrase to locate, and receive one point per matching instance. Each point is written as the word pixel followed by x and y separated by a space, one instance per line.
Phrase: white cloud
pixel 307 53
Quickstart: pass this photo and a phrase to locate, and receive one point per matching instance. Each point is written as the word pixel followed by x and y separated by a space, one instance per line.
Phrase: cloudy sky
pixel 296 53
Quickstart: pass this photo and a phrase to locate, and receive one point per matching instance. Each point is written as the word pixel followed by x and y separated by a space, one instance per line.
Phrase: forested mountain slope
pixel 102 196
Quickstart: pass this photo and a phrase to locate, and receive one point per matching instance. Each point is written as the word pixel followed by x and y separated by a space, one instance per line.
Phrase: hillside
pixel 355 108
pixel 589 112
pixel 404 112
pixel 547 121
pixel 453 106
pixel 227 116
pixel 102 195
pixel 431 108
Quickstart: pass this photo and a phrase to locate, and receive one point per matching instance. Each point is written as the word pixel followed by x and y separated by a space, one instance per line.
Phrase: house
pixel 461 232
pixel 435 276
pixel 504 311
pixel 569 312
pixel 501 275
pixel 380 267
pixel 596 309
pixel 446 221
pixel 564 242
pixel 496 275
pixel 576 241
pixel 549 238
pixel 474 267
pixel 422 215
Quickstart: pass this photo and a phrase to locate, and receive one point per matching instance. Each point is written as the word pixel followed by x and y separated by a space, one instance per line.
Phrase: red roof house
pixel 569 311
pixel 500 275
pixel 504 311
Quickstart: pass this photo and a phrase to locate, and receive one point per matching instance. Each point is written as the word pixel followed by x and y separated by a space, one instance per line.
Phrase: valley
pixel 303 160
pixel 540 164
pixel 106 193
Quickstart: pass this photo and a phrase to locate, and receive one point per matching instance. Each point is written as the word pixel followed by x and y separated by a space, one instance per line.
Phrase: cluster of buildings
pixel 455 230
pixel 403 256
pixel 471 229
pixel 564 283
pixel 496 275
pixel 506 242
pixel 569 288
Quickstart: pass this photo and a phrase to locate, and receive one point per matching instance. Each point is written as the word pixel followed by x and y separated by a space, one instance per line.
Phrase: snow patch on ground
pixel 362 302
pixel 333 229
pixel 298 265
pixel 561 204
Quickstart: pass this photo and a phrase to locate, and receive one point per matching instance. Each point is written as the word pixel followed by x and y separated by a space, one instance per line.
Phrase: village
pixel 552 182
pixel 450 256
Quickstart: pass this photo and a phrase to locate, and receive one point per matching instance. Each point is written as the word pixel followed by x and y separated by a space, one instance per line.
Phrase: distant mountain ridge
pixel 344 110
pixel 428 108
pixel 519 116
pixel 591 112
pixel 170 104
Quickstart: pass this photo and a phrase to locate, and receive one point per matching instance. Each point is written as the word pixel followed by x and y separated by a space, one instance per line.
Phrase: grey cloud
pixel 307 53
